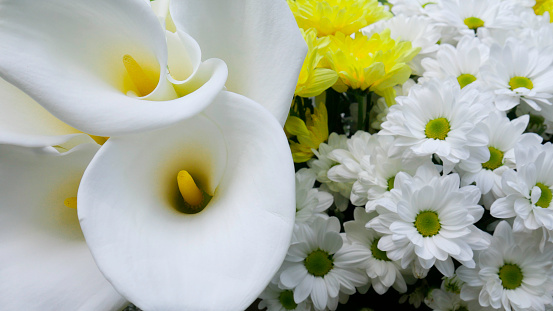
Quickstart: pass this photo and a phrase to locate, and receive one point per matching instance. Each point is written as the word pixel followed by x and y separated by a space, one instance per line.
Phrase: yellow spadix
pixel 141 81
pixel 188 188
pixel 71 202
pixel 195 199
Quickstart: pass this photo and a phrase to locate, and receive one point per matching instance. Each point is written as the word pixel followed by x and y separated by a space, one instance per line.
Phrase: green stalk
pixel 360 97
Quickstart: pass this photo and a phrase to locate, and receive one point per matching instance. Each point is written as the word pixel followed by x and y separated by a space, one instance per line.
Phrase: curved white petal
pixel 258 39
pixel 68 56
pixel 24 122
pixel 44 261
pixel 218 259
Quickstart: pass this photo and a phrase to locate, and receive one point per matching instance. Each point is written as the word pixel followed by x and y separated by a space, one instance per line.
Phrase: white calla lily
pixel 259 41
pixel 24 122
pixel 109 68
pixel 218 259
pixel 44 261
pixel 100 67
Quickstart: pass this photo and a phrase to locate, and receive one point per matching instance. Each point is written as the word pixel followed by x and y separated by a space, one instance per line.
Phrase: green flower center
pixel 391 181
pixel 377 253
pixel 473 22
pixel 545 197
pixel 462 308
pixel 318 263
pixel 496 159
pixel 437 128
pixel 517 82
pixel 510 276
pixel 427 223
pixel 286 299
pixel 465 79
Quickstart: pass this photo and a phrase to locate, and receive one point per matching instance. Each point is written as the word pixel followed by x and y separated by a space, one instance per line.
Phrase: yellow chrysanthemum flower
pixel 377 63
pixel 309 134
pixel 314 80
pixel 543 6
pixel 332 16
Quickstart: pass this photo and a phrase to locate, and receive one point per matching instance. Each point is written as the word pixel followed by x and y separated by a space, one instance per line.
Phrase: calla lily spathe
pixel 45 263
pixel 259 41
pixel 70 57
pixel 219 259
pixel 24 122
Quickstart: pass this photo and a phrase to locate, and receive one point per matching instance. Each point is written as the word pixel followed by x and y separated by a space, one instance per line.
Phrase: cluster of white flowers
pixel 455 176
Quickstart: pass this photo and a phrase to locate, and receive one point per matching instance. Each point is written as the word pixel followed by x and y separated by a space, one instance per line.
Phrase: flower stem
pixel 360 97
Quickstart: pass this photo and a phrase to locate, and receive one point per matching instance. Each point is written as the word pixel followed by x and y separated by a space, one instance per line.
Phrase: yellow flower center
pixel 473 22
pixel 195 199
pixel 391 181
pixel 286 299
pixel 71 202
pixel 510 276
pixel 377 253
pixel 496 159
pixel 141 81
pixel 437 129
pixel 465 79
pixel 517 82
pixel 427 223
pixel 318 263
pixel 546 196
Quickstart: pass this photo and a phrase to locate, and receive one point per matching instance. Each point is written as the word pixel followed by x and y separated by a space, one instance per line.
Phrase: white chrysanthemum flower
pixel 503 135
pixel 439 118
pixel 527 3
pixel 377 178
pixel 411 7
pixel 379 111
pixel 466 17
pixel 518 72
pixel 353 160
pixel 462 62
pixel 320 265
pixel 276 299
pixel 310 202
pixel 382 271
pixel 529 190
pixel 321 165
pixel 538 124
pixel 448 299
pixel 512 274
pixel 428 219
pixel 416 29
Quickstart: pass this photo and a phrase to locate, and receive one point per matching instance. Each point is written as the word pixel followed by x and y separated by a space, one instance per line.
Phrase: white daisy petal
pixel 292 276
pixel 304 289
pixel 511 273
pixel 319 295
pixel 445 267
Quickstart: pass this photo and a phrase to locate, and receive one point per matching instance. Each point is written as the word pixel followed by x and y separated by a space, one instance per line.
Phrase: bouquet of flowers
pixel 280 155
pixel 435 182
